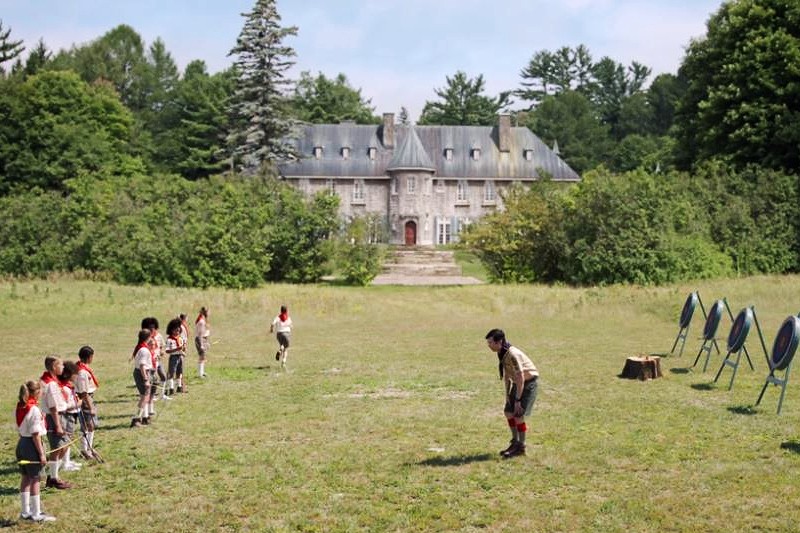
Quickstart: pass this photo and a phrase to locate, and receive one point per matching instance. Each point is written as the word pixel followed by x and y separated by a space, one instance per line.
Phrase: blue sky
pixel 395 51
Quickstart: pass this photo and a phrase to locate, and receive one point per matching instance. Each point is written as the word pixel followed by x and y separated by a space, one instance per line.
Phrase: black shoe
pixel 180 389
pixel 516 451
pixel 171 392
pixel 277 356
pixel 510 447
pixel 135 423
pixel 146 421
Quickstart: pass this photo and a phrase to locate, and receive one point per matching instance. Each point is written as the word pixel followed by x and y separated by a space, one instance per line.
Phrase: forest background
pixel 116 165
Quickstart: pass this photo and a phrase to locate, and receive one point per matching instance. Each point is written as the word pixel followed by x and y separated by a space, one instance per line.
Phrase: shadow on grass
pixel 456 460
pixel 703 386
pixel 742 410
pixel 114 427
pixel 680 370
pixel 7 523
pixel 791 445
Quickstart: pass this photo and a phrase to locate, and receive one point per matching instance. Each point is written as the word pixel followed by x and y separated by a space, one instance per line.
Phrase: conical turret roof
pixel 411 155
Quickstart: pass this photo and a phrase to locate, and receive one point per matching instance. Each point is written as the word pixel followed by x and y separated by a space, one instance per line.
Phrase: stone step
pixel 423 258
pixel 415 269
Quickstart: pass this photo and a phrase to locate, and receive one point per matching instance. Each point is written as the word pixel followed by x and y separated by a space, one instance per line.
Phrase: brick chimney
pixel 504 132
pixel 388 130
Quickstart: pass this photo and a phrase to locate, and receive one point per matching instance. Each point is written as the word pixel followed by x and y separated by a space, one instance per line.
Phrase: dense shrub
pixel 644 228
pixel 231 232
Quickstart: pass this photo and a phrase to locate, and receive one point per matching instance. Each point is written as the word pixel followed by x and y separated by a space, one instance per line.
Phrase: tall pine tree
pixel 8 49
pixel 259 107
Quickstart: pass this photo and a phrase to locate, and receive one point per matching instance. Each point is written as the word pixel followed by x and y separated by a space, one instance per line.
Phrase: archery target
pixel 785 343
pixel 712 321
pixel 688 310
pixel 740 329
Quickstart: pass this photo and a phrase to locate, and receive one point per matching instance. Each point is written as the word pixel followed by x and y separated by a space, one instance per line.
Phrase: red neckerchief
pixel 176 339
pixel 199 318
pixel 48 378
pixel 23 410
pixel 143 345
pixel 283 316
pixel 84 366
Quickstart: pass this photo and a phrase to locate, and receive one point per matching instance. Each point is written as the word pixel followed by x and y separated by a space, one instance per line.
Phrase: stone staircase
pixel 421 266
pixel 421 262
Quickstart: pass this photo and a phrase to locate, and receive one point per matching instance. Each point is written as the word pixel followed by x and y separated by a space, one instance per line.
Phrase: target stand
pixel 783 350
pixel 736 342
pixel 686 319
pixel 710 330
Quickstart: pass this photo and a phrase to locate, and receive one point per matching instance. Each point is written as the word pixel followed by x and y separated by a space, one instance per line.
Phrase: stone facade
pixel 424 182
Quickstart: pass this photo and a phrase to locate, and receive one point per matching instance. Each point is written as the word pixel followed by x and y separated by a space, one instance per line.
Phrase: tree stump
pixel 643 368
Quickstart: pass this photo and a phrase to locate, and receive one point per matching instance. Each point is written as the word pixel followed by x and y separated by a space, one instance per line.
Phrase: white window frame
pixel 318 152
pixel 443 231
pixel 393 185
pixel 330 186
pixel 489 192
pixel 358 190
pixel 448 154
pixel 411 184
pixel 476 154
pixel 372 152
pixel 345 152
pixel 528 154
pixel 462 191
pixel 426 185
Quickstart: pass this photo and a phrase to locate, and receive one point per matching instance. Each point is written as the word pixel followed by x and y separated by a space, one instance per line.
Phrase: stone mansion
pixel 425 182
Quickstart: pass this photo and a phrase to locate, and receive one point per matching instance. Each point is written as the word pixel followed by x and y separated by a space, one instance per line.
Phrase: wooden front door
pixel 411 233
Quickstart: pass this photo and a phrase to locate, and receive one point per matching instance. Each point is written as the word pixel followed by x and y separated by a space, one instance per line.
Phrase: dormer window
pixel 448 154
pixel 528 154
pixel 372 152
pixel 345 152
pixel 317 152
pixel 476 154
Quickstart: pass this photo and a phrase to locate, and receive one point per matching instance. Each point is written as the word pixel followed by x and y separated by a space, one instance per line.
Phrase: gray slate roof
pixel 428 152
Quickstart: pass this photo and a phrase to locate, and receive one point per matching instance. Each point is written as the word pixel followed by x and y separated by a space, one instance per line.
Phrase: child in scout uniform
pixel 174 349
pixel 85 386
pixel 67 382
pixel 142 366
pixel 201 340
pixel 30 452
pixel 55 407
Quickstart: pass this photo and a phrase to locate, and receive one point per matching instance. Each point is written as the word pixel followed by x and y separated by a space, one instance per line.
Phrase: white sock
pixel 54 466
pixel 85 441
pixel 171 383
pixel 141 413
pixel 67 459
pixel 25 502
pixel 151 410
pixel 201 368
pixel 36 505
pixel 90 438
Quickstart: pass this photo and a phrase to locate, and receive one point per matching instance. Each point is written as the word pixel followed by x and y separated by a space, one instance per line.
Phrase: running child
pixel 282 324
pixel 85 386
pixel 30 452
pixel 55 407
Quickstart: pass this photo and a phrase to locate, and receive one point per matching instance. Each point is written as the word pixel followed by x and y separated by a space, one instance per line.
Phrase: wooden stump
pixel 643 368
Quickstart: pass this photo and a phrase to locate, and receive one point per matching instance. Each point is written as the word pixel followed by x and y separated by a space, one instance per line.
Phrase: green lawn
pixel 389 417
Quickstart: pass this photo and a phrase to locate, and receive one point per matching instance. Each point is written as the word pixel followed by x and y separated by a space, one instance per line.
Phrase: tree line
pixel 115 112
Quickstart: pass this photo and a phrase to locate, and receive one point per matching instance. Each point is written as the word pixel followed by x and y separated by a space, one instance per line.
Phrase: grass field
pixel 389 415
